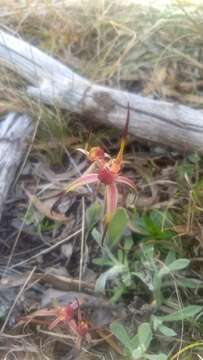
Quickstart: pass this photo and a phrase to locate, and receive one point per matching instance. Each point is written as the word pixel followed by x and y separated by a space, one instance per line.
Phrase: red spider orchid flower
pixel 63 314
pixel 69 315
pixel 108 173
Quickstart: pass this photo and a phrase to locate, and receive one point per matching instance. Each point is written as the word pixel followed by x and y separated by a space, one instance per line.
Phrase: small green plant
pixel 40 223
pixel 117 263
pixel 129 268
pixel 105 171
pixel 157 275
pixel 185 313
pixel 137 346
pixel 154 225
pixel 132 266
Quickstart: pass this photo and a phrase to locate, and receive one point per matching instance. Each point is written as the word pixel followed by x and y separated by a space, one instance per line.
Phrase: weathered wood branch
pixel 15 129
pixel 161 122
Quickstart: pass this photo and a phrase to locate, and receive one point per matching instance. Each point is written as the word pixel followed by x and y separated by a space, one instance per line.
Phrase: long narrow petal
pixel 126 181
pixel 82 180
pixel 54 323
pixel 119 156
pixel 44 312
pixel 83 151
pixel 125 130
pixel 111 201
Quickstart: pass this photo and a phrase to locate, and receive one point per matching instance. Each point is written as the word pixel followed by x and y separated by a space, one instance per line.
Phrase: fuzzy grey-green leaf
pixel 182 314
pixel 120 332
pixel 174 266
pixel 144 335
pixel 166 331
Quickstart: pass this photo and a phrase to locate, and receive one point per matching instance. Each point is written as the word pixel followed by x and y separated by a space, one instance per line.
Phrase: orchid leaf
pixel 93 215
pixel 116 227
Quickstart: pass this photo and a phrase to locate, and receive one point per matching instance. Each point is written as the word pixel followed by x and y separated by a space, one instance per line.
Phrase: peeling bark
pixel 15 130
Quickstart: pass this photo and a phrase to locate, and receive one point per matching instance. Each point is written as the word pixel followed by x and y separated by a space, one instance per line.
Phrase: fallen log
pixel 15 130
pixel 161 122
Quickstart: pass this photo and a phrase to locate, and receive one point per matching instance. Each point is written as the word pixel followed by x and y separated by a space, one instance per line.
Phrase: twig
pixel 46 251
pixel 15 242
pixel 16 299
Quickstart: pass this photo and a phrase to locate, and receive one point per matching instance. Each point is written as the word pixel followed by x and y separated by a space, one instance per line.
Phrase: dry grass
pixel 156 52
pixel 159 51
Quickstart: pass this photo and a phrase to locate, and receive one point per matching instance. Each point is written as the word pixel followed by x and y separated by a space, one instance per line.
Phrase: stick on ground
pixel 51 82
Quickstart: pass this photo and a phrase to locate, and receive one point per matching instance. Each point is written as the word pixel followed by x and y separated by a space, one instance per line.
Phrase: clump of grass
pixel 157 49
pixel 154 51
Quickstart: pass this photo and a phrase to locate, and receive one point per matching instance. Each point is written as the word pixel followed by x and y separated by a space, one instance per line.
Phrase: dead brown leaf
pixel 59 282
pixel 157 79
pixel 193 99
pixel 45 210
